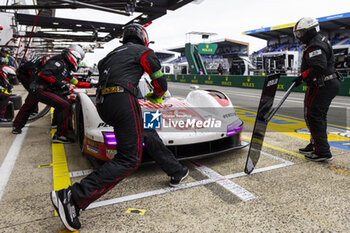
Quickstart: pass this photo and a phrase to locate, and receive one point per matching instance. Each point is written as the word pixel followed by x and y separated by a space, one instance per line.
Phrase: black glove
pixel 298 80
pixel 64 87
pixel 93 84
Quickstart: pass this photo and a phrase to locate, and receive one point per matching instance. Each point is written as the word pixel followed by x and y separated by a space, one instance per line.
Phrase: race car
pixel 204 123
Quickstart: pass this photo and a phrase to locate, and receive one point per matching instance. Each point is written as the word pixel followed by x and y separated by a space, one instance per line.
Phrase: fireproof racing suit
pixel 26 74
pixel 120 71
pixel 50 89
pixel 323 85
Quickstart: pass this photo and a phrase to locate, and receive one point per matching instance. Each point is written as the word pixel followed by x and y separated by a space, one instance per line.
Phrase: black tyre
pixel 9 114
pixel 41 113
pixel 79 125
pixel 16 100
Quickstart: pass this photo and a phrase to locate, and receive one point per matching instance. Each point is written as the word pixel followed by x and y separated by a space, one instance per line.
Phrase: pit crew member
pixel 117 105
pixel 318 72
pixel 51 84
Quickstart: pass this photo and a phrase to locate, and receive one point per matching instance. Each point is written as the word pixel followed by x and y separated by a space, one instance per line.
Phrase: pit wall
pixel 254 82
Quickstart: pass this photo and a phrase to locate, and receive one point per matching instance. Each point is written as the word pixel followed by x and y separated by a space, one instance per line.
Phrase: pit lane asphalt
pixel 289 194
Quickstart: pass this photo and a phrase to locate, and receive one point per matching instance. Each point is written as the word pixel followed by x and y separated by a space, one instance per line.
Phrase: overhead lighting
pixel 78 25
pixel 144 16
pixel 102 27
pixel 55 23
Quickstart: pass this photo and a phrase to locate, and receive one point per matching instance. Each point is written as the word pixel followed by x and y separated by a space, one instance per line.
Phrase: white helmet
pixel 305 29
pixel 74 55
pixel 9 72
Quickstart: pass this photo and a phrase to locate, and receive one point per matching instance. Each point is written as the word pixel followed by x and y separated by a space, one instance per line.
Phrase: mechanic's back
pixel 118 106
pixel 127 63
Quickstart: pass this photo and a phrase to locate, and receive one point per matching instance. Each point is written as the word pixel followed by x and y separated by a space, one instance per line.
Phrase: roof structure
pixel 234 44
pixel 327 25
pixel 53 29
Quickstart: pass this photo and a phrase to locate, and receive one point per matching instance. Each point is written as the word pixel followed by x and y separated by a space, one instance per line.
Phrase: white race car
pixel 204 123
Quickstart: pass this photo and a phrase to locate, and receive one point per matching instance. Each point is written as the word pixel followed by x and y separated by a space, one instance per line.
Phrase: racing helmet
pixel 44 59
pixel 74 54
pixel 8 72
pixel 305 29
pixel 135 32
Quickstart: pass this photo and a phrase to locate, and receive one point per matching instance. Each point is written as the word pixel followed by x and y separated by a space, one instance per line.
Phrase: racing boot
pixel 319 158
pixel 16 130
pixel 66 209
pixel 62 139
pixel 178 177
pixel 308 149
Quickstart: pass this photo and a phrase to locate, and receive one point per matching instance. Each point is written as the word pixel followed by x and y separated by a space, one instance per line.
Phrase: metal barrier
pixel 255 82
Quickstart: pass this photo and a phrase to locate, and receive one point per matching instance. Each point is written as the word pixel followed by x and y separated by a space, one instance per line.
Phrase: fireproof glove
pixel 64 87
pixel 298 80
pixel 153 98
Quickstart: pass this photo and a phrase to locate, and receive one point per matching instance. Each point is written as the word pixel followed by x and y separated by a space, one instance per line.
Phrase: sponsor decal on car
pixel 92 149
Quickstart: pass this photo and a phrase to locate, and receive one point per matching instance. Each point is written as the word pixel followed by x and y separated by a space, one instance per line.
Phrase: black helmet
pixel 135 32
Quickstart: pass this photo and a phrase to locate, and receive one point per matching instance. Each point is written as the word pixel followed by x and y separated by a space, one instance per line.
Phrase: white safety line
pixel 148 194
pixel 10 160
pixel 227 184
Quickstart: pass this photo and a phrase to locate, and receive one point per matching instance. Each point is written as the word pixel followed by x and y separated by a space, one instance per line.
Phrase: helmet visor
pixel 299 34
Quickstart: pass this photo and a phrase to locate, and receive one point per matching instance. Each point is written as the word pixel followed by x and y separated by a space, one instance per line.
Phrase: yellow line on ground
pixel 300 156
pixel 290 117
pixel 60 168
pixel 339 170
pixel 60 171
pixel 248 116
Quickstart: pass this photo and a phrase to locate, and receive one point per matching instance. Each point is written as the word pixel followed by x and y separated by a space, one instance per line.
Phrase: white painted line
pixel 148 194
pixel 214 177
pixel 10 160
pixel 183 186
pixel 225 183
pixel 80 173
pixel 276 158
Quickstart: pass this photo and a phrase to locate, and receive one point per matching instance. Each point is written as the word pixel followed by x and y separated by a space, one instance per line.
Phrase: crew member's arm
pixel 152 67
pixel 74 80
pixel 50 72
pixel 317 61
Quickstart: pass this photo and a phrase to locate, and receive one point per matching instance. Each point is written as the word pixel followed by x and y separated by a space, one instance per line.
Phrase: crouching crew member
pixel 51 84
